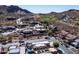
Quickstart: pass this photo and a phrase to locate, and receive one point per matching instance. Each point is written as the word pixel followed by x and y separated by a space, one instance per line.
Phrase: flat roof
pixel 42 42
pixel 17 50
pixel 38 45
pixel 12 47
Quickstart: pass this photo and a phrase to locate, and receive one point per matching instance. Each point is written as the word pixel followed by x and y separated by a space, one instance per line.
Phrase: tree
pixel 55 44
pixel 2 39
pixel 9 39
pixel 50 32
pixel 48 19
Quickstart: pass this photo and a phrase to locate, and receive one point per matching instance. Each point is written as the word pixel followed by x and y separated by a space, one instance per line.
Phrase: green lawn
pixel 48 18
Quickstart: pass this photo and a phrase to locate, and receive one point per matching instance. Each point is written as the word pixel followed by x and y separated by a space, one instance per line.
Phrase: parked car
pixel 59 51
pixel 75 44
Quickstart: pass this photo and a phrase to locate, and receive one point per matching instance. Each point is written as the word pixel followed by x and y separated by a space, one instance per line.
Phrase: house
pixel 30 51
pixel 75 44
pixel 4 50
pixel 14 51
pixel 7 33
pixel 65 17
pixel 0 48
pixel 77 40
pixel 29 48
pixel 36 46
pixel 22 50
pixel 1 30
pixel 27 20
pixel 54 28
pixel 62 34
pixel 53 50
pixel 11 18
pixel 24 21
pixel 66 35
pixel 28 30
pixel 12 47
pixel 25 31
pixel 71 37
pixel 43 45
pixel 39 46
pixel 8 28
pixel 38 27
pixel 29 45
pixel 43 42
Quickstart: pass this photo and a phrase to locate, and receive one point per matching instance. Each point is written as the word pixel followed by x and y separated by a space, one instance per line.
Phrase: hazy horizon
pixel 48 8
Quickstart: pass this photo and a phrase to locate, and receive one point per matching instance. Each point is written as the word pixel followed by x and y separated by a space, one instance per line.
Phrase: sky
pixel 48 8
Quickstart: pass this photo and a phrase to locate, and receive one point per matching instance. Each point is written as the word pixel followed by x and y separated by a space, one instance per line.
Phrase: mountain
pixel 13 9
pixel 72 13
pixel 18 12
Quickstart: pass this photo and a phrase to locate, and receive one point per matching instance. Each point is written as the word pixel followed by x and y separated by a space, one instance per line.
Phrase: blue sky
pixel 48 8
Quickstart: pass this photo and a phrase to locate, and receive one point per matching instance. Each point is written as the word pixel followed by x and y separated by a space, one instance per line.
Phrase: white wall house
pixel 38 27
pixel 19 22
